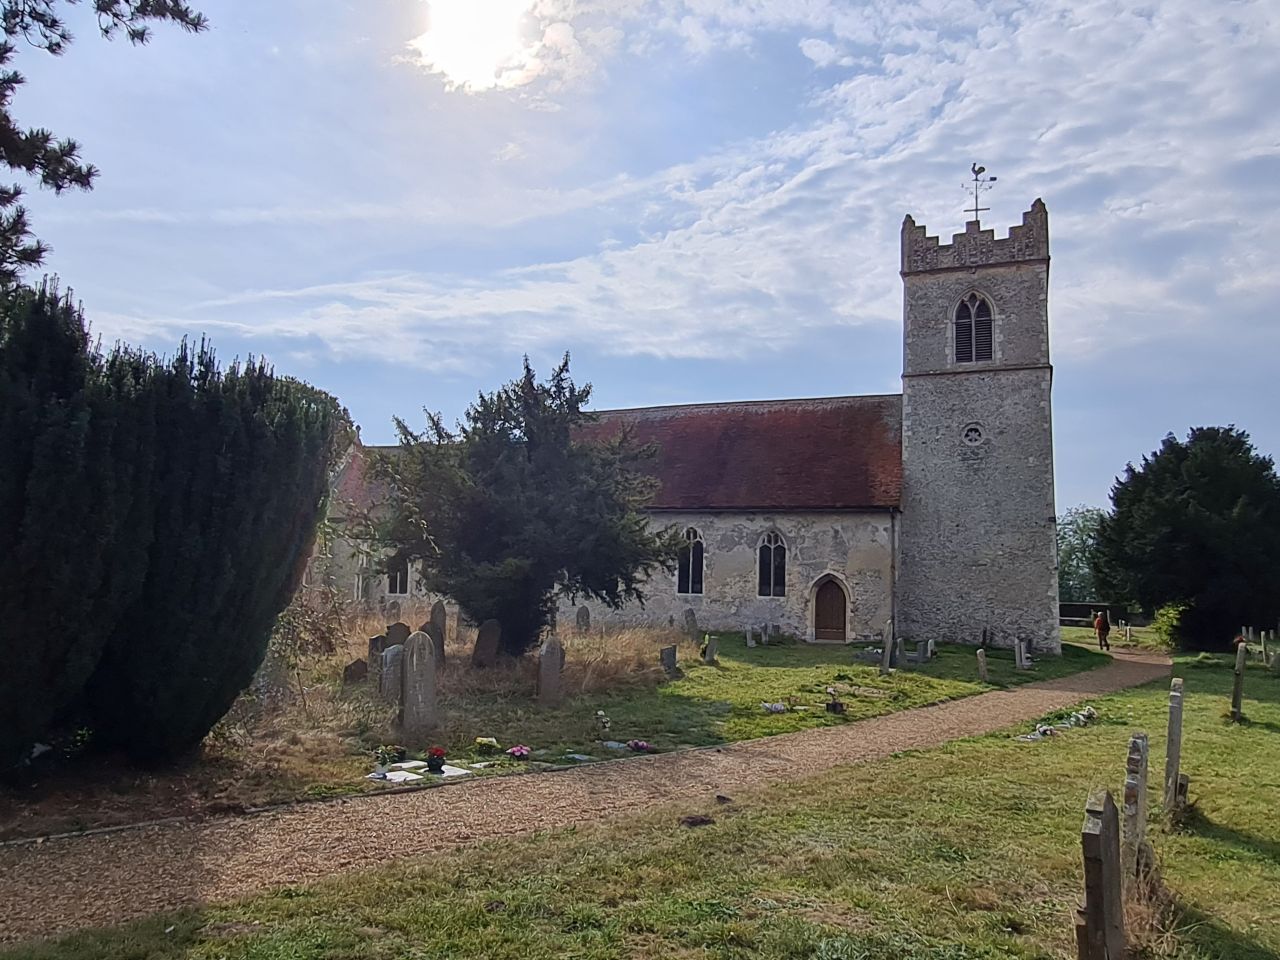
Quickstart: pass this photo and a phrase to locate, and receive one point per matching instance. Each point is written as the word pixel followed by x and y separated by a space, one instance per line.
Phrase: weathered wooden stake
pixel 1173 749
pixel 1237 691
pixel 982 666
pixel 1100 921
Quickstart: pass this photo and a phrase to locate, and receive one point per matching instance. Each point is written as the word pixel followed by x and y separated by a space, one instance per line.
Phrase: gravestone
pixel 667 655
pixel 583 619
pixel 1135 807
pixel 764 634
pixel 393 609
pixel 775 631
pixel 398 633
pixel 376 646
pixel 485 652
pixel 886 656
pixel 922 653
pixel 982 666
pixel 1100 921
pixel 1021 660
pixel 1173 747
pixel 436 633
pixel 440 619
pixel 690 622
pixel 550 671
pixel 391 684
pixel 751 637
pixel 419 697
pixel 933 649
pixel 459 624
pixel 355 671
pixel 1237 689
pixel 711 649
pixel 899 652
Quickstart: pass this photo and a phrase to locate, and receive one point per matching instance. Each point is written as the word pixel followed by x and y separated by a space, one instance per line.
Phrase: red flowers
pixel 436 753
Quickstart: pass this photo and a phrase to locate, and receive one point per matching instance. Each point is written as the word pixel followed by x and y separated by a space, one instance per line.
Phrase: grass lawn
pixel 966 851
pixel 722 703
pixel 323 747
pixel 1143 637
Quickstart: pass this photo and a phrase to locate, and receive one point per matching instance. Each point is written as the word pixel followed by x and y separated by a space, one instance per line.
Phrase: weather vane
pixel 980 185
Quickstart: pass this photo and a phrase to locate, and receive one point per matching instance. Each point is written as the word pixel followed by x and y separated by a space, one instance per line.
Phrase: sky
pixel 700 200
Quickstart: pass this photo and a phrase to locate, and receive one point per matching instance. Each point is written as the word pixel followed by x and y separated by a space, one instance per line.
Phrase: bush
pixel 237 494
pixel 1167 625
pixel 154 520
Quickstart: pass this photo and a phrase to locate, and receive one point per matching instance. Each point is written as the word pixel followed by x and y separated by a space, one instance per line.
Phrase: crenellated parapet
pixel 976 247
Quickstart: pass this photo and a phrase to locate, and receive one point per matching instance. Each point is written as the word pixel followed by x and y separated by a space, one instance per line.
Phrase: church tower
pixel 977 542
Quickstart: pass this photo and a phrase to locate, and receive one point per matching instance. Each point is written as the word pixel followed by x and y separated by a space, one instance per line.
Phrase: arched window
pixel 398 578
pixel 773 566
pixel 689 569
pixel 973 329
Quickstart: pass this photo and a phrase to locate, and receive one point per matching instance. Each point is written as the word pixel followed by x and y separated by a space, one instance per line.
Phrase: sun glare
pixel 477 44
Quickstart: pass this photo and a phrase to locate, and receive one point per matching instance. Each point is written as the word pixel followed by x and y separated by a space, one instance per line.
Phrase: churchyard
pixel 923 855
pixel 304 733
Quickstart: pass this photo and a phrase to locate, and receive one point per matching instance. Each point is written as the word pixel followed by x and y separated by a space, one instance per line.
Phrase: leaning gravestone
pixel 690 622
pixel 485 653
pixel 711 649
pixel 391 684
pixel 668 657
pixel 583 619
pixel 440 619
pixel 436 633
pixel 355 671
pixel 419 695
pixel 550 671
pixel 376 646
pixel 398 633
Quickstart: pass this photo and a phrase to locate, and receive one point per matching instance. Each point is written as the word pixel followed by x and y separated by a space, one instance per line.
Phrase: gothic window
pixel 973 329
pixel 773 566
pixel 398 578
pixel 689 569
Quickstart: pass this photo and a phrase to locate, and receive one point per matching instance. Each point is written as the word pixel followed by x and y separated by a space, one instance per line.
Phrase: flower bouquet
pixel 639 746
pixel 486 745
pixel 519 752
pixel 435 759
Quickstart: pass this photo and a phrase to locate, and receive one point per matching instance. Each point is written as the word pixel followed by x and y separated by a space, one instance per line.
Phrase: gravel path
pixel 63 885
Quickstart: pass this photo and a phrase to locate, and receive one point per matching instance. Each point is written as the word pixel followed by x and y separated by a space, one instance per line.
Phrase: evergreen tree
pixel 239 485
pixel 512 510
pixel 56 164
pixel 72 543
pixel 1197 524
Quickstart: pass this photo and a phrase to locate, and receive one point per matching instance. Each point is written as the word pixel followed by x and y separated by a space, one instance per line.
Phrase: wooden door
pixel 829 612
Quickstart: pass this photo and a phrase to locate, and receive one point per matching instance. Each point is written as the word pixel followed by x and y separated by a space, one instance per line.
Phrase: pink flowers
pixel 639 746
pixel 518 752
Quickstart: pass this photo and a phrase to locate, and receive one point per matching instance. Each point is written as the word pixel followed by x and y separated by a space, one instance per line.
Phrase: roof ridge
pixel 722 404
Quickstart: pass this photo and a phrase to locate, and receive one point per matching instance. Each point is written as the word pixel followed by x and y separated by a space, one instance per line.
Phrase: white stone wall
pixel 855 548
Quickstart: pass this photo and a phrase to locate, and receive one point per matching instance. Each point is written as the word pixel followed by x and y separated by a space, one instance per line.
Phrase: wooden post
pixel 1237 691
pixel 1100 920
pixel 1135 805
pixel 1173 749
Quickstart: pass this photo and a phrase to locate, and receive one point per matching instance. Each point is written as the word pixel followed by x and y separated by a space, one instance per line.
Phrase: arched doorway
pixel 830 606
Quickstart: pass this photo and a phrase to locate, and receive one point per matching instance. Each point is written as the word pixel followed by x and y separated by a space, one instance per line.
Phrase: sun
pixel 477 44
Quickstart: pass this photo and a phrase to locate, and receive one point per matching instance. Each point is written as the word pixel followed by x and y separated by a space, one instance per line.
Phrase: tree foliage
pixel 1077 541
pixel 56 163
pixel 1197 524
pixel 153 516
pixel 515 508
pixel 75 455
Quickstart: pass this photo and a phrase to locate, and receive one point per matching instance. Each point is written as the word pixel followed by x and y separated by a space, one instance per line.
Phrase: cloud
pixel 1148 131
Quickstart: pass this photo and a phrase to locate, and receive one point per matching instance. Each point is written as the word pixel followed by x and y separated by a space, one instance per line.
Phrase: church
pixel 928 513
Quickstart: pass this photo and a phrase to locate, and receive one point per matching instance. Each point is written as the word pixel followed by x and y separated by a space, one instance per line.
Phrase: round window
pixel 973 434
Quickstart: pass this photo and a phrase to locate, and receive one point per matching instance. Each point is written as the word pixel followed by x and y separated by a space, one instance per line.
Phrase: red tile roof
pixel 829 453
pixel 353 491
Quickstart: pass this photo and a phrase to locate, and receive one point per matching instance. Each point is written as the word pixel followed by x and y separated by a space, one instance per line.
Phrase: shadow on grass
pixel 1202 826
pixel 1214 940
